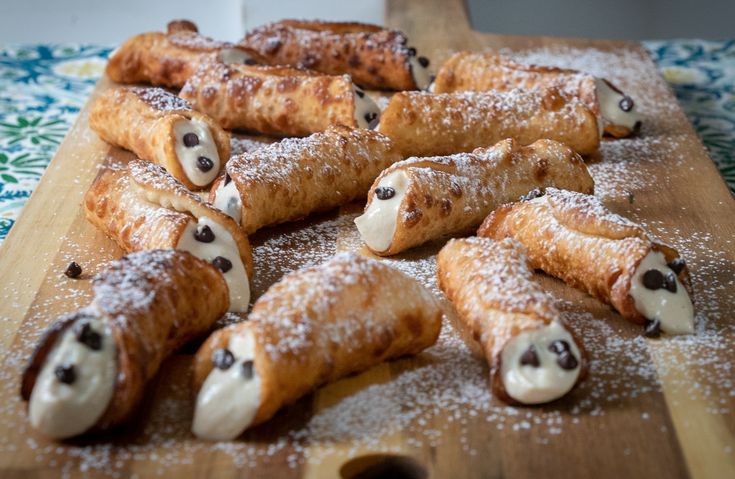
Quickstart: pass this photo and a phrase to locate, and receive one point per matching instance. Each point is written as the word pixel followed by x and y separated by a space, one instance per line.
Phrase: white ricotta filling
pixel 378 224
pixel 421 74
pixel 61 410
pixel 529 384
pixel 234 55
pixel 188 155
pixel 366 110
pixel 673 310
pixel 610 108
pixel 227 199
pixel 223 245
pixel 228 401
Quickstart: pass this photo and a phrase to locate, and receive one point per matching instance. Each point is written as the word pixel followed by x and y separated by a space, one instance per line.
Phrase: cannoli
pixel 162 128
pixel 426 124
pixel 573 237
pixel 421 199
pixel 142 207
pixel 373 56
pixel 169 59
pixel 313 327
pixel 533 357
pixel 278 100
pixel 288 180
pixel 89 371
pixel 466 71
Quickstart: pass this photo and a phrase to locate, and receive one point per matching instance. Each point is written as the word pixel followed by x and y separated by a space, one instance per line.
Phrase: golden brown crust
pixel 426 124
pixel 450 196
pixel 593 249
pixel 142 120
pixel 322 323
pixel 373 56
pixel 489 283
pixel 271 100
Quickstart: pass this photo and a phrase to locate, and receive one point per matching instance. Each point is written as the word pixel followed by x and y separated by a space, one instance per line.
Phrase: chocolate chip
pixel 222 264
pixel 385 192
pixel 423 61
pixel 559 346
pixel 73 270
pixel 567 361
pixel 227 178
pixel 360 93
pixel 250 61
pixel 374 123
pixel 626 104
pixel 88 336
pixel 530 357
pixel 677 265
pixel 670 282
pixel 637 127
pixel 534 193
pixel 65 373
pixel 370 116
pixel 204 234
pixel 204 163
pixel 411 52
pixel 653 279
pixel 247 369
pixel 631 198
pixel 652 329
pixel 223 359
pixel 191 139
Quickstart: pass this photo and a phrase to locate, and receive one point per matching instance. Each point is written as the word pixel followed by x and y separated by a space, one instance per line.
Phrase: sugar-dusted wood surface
pixel 651 408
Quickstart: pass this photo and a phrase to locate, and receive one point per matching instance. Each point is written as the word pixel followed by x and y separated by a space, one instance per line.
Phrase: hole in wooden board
pixel 383 466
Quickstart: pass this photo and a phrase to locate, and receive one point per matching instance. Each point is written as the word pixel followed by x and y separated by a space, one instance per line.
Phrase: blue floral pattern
pixel 43 87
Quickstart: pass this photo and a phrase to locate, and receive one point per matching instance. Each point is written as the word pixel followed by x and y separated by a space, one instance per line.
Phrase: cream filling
pixel 610 110
pixel 223 245
pixel 227 199
pixel 61 410
pixel 673 310
pixel 421 74
pixel 378 224
pixel 227 401
pixel 364 107
pixel 234 55
pixel 530 384
pixel 188 155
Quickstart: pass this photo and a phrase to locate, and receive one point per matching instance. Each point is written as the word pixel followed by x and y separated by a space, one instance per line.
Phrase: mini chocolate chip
pixel 227 178
pixel 626 104
pixel 652 329
pixel 637 127
pixel 370 116
pixel 670 282
pixel 88 336
pixel 559 346
pixel 191 139
pixel 222 264
pixel 530 357
pixel 223 358
pixel 385 192
pixel 411 52
pixel 204 234
pixel 677 265
pixel 374 123
pixel 65 373
pixel 534 193
pixel 567 361
pixel 247 369
pixel 204 163
pixel 73 270
pixel 653 279
pixel 360 93
pixel 423 61
pixel 250 61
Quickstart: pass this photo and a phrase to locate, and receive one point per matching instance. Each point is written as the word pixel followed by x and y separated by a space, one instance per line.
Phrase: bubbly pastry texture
pixel 545 381
pixel 223 246
pixel 673 309
pixel 610 106
pixel 76 382
pixel 378 224
pixel 229 398
pixel 199 172
pixel 227 199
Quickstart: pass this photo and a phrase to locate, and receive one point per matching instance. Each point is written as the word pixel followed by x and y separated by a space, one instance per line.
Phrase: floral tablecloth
pixel 42 88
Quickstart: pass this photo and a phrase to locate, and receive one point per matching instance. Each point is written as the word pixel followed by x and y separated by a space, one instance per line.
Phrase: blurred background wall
pixel 105 21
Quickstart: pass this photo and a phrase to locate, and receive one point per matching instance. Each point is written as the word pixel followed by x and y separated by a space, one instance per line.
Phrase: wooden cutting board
pixel 650 408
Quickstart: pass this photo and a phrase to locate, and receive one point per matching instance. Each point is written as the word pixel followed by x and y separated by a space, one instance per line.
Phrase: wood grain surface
pixel 653 408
